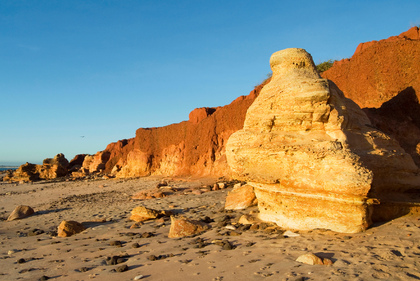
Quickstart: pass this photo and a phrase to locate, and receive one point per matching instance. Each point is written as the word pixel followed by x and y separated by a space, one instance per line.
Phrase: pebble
pixel 288 233
pixel 114 260
pixel 122 268
pixel 115 243
pixel 138 277
pixel 11 252
pixel 231 227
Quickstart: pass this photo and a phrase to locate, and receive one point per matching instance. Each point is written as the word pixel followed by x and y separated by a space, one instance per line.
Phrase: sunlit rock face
pixel 312 156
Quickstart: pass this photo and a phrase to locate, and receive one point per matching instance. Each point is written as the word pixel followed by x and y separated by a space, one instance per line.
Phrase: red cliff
pixel 193 147
pixel 383 77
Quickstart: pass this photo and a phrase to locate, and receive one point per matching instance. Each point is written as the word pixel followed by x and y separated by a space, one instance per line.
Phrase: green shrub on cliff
pixel 323 66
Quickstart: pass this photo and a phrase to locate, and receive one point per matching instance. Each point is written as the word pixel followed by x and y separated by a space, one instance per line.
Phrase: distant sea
pixel 3 168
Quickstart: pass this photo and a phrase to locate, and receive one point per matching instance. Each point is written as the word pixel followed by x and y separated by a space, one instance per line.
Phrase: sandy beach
pixel 30 249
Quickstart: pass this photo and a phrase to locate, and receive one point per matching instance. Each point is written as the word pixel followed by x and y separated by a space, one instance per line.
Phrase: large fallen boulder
pixel 312 155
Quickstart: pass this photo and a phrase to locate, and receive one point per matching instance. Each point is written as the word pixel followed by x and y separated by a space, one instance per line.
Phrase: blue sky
pixel 102 69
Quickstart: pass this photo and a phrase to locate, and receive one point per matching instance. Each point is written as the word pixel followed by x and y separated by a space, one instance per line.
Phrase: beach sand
pixel 30 250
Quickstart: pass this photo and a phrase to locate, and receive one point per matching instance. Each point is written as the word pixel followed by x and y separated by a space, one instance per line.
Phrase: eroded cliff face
pixel 312 155
pixel 194 147
pixel 383 78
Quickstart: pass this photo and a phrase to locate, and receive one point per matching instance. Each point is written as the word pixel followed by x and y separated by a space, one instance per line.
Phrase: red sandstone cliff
pixel 383 77
pixel 194 147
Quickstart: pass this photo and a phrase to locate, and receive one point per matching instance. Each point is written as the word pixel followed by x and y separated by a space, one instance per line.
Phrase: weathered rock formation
pixel 312 155
pixel 95 163
pixel 50 169
pixel 383 77
pixel 194 147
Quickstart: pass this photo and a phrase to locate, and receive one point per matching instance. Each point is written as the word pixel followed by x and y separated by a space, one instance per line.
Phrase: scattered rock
pixel 160 257
pixel 312 259
pixel 69 228
pixel 240 198
pixel 115 260
pixel 35 232
pixel 162 184
pixel 248 220
pixel 148 194
pixel 289 233
pixel 83 269
pixel 141 213
pixel 122 268
pixel 182 227
pixel 226 245
pixel 21 212
pixel 115 243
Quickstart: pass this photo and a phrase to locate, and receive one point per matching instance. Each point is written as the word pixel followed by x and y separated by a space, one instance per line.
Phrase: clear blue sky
pixel 102 69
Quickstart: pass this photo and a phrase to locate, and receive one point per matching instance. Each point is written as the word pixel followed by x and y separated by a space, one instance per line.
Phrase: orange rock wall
pixel 194 147
pixel 383 77
pixel 379 70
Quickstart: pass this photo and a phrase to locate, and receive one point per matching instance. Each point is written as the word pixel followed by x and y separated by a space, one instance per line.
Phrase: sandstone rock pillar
pixel 311 155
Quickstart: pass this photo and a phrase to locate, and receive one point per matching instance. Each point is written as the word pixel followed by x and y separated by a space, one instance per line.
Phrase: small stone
pixel 136 225
pixel 138 277
pixel 310 259
pixel 11 252
pixel 152 258
pixel 289 233
pixel 141 213
pixel 35 232
pixel 227 245
pixel 122 268
pixel 115 243
pixel 147 235
pixel 114 260
pixel 248 219
pixel 249 244
pixel 21 261
pixel 135 245
pixel 161 184
pixel 43 278
pixel 21 212
pixel 196 192
pixel 182 227
pixel 69 228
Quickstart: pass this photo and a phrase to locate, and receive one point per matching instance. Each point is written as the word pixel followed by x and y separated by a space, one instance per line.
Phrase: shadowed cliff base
pixel 400 118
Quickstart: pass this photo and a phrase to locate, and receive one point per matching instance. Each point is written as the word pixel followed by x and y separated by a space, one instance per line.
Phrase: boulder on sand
pixel 69 228
pixel 183 227
pixel 20 212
